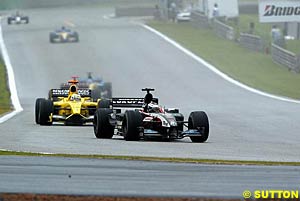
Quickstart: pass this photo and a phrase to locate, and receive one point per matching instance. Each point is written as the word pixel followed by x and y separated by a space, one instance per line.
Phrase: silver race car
pixel 148 121
pixel 17 19
pixel 63 35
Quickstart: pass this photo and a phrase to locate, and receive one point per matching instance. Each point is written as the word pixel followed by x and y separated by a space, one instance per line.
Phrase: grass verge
pixel 158 159
pixel 251 68
pixel 5 105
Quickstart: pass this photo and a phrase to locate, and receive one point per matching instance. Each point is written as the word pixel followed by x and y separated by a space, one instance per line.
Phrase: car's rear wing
pixel 65 92
pixel 130 102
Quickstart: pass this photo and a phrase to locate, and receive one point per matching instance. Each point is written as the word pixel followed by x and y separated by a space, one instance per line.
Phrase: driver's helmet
pixel 63 28
pixel 75 97
pixel 154 108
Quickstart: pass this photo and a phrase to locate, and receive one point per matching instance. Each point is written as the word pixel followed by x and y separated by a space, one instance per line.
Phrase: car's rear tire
pixel 104 103
pixel 76 37
pixel 26 20
pixel 132 120
pixel 37 110
pixel 45 111
pixel 51 38
pixel 199 119
pixel 102 127
pixel 9 20
pixel 108 87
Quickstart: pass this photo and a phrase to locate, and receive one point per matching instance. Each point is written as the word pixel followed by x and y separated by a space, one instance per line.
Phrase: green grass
pixel 143 158
pixel 4 92
pixel 254 69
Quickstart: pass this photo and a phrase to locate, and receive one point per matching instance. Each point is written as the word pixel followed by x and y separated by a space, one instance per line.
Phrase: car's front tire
pixel 199 119
pixel 45 111
pixel 37 110
pixel 102 127
pixel 132 120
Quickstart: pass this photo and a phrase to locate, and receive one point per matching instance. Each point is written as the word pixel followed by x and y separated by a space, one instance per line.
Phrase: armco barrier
pixel 198 19
pixel 223 30
pixel 285 58
pixel 252 42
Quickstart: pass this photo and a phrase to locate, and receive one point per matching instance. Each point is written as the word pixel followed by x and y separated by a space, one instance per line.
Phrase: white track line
pixel 11 81
pixel 215 70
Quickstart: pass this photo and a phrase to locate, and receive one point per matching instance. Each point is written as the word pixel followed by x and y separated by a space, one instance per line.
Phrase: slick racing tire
pixel 102 127
pixel 104 103
pixel 26 20
pixel 51 38
pixel 9 20
pixel 76 36
pixel 132 120
pixel 46 109
pixel 37 110
pixel 199 119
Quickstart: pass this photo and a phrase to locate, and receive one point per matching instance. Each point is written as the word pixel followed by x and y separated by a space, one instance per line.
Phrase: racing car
pixel 71 106
pixel 17 19
pixel 99 88
pixel 148 121
pixel 63 35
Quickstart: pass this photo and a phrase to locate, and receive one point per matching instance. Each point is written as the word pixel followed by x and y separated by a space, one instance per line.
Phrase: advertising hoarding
pixel 279 11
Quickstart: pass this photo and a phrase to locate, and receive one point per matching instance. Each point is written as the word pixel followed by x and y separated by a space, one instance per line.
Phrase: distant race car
pixel 63 35
pixel 71 106
pixel 99 88
pixel 149 121
pixel 17 19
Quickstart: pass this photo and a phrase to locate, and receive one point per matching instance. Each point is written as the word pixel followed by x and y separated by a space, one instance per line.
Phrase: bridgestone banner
pixel 279 10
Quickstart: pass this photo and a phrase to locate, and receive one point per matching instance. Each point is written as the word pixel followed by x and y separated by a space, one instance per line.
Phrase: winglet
pixel 74 80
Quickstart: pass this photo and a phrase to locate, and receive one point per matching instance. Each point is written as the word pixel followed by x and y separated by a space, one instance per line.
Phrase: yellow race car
pixel 63 35
pixel 71 106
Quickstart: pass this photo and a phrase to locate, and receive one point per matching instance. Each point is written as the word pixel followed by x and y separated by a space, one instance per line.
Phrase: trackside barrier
pixel 285 58
pixel 199 20
pixel 252 42
pixel 223 30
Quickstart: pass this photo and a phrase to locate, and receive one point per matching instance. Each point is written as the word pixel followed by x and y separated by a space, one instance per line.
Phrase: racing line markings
pixel 215 70
pixel 11 81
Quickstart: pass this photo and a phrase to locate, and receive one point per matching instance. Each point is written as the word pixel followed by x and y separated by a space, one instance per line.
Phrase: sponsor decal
pixel 279 11
pixel 273 10
pixel 65 92
pixel 129 101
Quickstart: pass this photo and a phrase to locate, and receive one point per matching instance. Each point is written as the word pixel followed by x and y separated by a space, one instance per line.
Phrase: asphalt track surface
pixel 52 175
pixel 244 125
